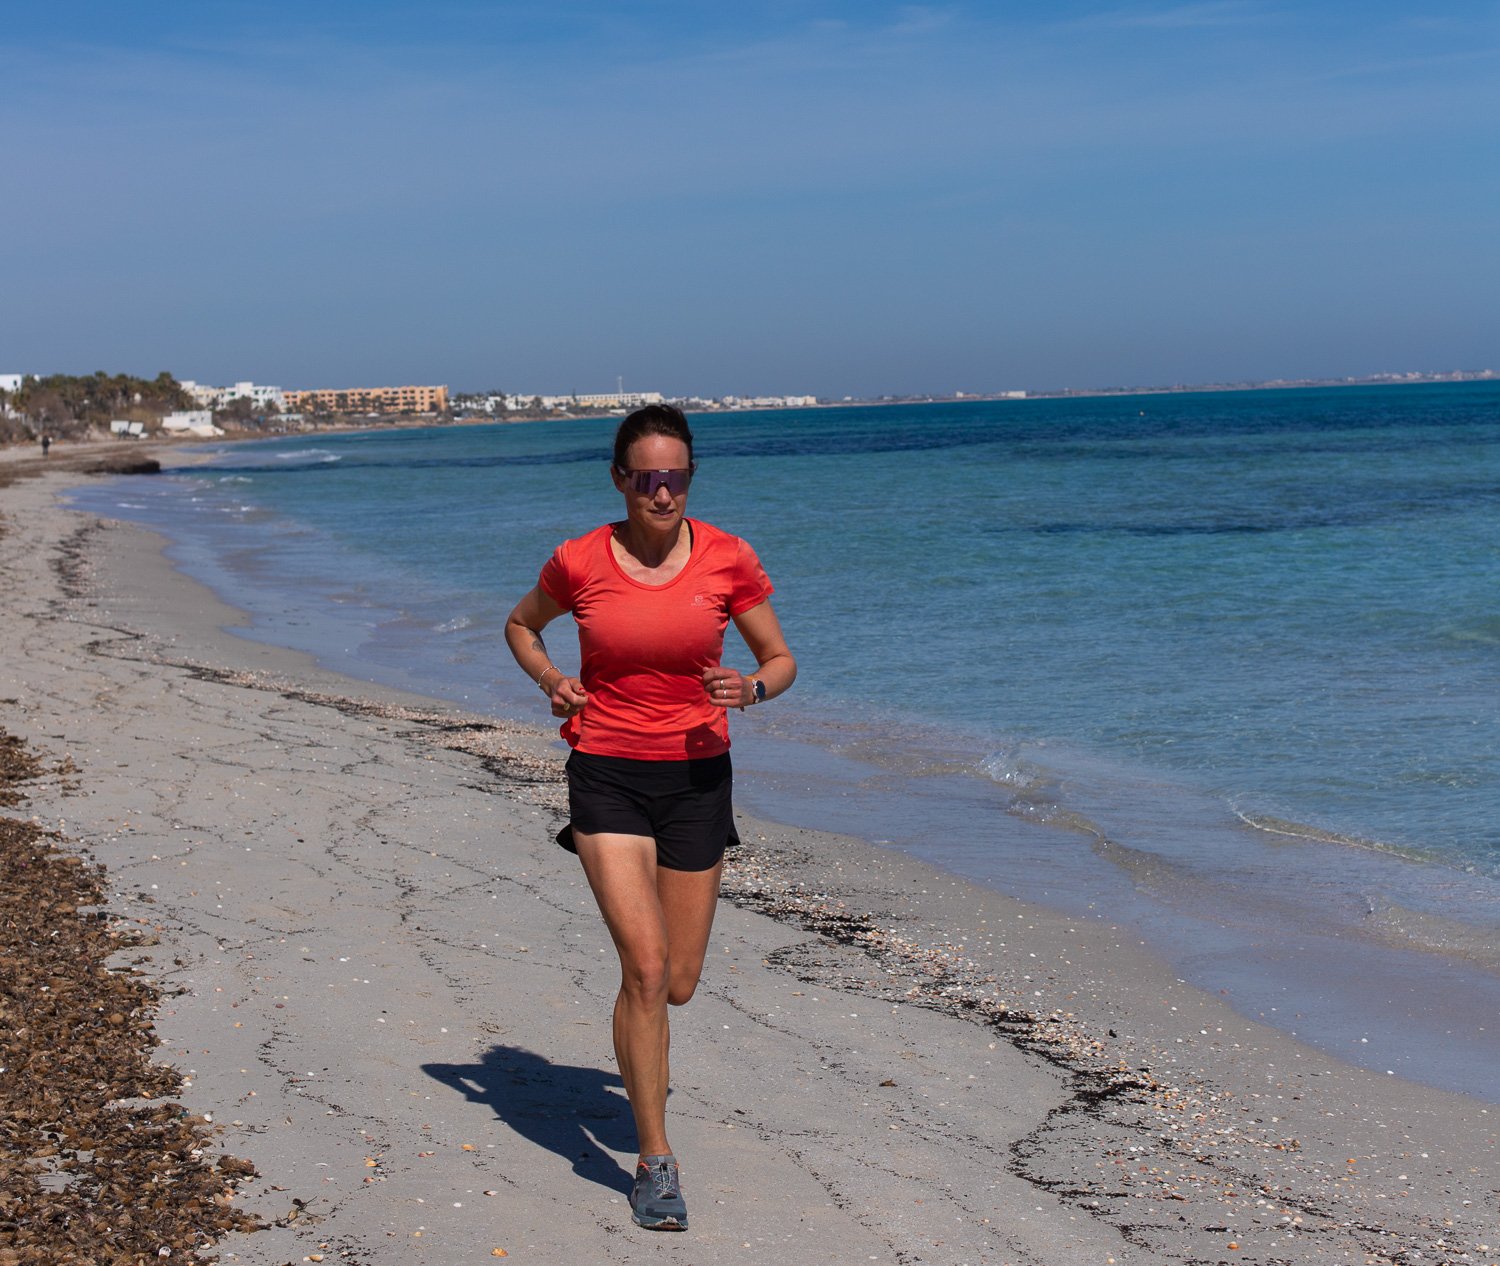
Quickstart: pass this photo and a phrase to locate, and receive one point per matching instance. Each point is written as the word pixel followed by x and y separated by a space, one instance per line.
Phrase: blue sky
pixel 764 196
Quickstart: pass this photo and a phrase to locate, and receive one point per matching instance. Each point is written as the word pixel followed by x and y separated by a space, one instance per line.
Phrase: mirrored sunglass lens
pixel 647 482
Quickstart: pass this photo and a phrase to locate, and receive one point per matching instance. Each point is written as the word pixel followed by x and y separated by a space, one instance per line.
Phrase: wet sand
pixel 391 992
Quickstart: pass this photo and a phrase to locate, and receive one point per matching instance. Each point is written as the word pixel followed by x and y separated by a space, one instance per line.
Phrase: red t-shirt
pixel 645 646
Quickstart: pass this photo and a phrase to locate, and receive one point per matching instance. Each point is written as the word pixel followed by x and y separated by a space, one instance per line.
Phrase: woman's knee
pixel 647 977
pixel 650 979
pixel 681 987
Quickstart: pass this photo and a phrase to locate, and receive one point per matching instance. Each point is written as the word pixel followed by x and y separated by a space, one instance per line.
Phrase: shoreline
pixel 1363 954
pixel 1029 1055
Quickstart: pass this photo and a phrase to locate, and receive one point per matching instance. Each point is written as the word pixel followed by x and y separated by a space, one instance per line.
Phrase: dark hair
pixel 653 419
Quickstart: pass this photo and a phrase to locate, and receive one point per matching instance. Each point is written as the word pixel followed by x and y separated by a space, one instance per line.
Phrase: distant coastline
pixel 698 406
pixel 1412 379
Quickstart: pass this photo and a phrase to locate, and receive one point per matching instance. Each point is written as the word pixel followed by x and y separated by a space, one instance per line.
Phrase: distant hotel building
pixel 619 399
pixel 600 400
pixel 369 400
pixel 769 402
pixel 207 397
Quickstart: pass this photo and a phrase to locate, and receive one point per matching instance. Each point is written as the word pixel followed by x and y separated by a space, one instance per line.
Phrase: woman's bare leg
pixel 659 920
pixel 689 899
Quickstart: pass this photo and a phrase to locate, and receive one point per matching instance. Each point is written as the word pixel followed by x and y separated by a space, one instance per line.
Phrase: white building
pixel 260 396
pixel 217 397
pixel 769 402
pixel 10 384
pixel 192 422
pixel 619 399
pixel 598 400
pixel 208 397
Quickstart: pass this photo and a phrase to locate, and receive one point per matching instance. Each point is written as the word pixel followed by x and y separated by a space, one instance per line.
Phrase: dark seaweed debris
pixel 97 1163
pixel 17 765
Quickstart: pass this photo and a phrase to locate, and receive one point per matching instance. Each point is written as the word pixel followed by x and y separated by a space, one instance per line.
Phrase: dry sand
pixel 391 991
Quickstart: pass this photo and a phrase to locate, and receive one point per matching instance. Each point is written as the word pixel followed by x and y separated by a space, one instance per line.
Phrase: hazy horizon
pixel 784 196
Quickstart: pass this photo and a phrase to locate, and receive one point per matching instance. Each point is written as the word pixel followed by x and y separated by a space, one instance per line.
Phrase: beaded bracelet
pixel 551 668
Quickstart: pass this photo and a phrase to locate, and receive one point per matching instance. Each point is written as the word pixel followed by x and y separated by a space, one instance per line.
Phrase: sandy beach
pixel 390 991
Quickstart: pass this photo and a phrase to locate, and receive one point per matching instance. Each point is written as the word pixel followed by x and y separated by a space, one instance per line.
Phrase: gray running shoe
pixel 656 1201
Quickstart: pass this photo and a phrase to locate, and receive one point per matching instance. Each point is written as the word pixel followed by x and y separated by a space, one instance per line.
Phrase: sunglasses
pixel 646 482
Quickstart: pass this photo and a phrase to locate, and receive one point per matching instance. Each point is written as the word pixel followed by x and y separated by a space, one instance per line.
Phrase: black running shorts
pixel 686 806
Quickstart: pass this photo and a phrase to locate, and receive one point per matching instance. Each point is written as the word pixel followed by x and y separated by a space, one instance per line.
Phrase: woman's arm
pixel 775 666
pixel 523 634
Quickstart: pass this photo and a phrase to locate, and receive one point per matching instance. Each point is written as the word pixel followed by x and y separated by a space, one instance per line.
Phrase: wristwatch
pixel 760 690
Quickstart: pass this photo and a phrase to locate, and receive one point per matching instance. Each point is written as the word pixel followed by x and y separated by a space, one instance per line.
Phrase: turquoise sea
pixel 1223 666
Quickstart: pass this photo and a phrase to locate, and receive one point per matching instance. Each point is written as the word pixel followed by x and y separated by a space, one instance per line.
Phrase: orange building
pixel 369 400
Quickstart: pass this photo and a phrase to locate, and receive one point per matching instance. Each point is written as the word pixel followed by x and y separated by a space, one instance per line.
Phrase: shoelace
pixel 663 1178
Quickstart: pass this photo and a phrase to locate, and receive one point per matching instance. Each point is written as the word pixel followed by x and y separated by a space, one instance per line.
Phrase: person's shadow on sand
pixel 568 1110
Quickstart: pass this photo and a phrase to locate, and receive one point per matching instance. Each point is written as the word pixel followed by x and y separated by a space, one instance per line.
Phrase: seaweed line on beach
pixel 96 1161
pixel 1158 1146
pixel 70 559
